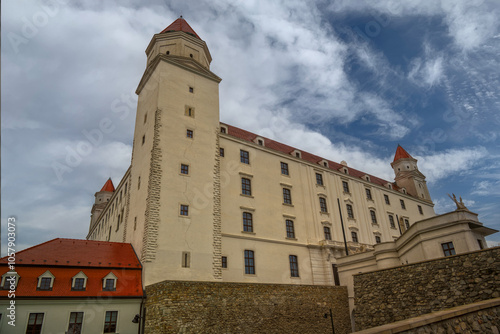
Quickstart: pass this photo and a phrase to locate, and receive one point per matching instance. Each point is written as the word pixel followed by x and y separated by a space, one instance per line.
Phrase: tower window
pixel 244 157
pixel 287 196
pixel 184 210
pixel 327 233
pixel 168 52
pixel 322 204
pixel 261 143
pixel 420 210
pixel 403 206
pixel 189 133
pixel 350 213
pixel 391 221
pixel 345 186
pixel 247 222
pixel 354 236
pixel 222 130
pixel 319 179
pixel 221 152
pixel 249 262
pixel 290 230
pixel 377 239
pixel 191 55
pixel 368 194
pixel 448 248
pixel 184 169
pixel 224 262
pixel 246 187
pixel 386 198
pixel 373 216
pixel 191 89
pixel 284 168
pixel 186 259
pixel 294 266
pixel 407 223
pixel 143 139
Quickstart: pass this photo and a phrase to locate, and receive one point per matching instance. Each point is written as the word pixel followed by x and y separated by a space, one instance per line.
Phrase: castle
pixel 207 201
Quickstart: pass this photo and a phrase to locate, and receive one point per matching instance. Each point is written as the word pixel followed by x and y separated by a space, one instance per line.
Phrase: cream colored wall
pixel 57 313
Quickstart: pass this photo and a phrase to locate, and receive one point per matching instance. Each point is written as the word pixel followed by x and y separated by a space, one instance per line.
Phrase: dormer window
pixel 260 141
pixel 109 282
pixel 79 282
pixel 10 280
pixel 296 153
pixel 223 129
pixel 345 170
pixel 45 281
pixel 324 163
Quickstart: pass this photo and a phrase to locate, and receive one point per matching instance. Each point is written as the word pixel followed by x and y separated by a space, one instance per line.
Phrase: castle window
pixel 184 169
pixel 189 111
pixel 224 262
pixel 184 210
pixel 75 322
pixel 35 322
pixel 246 187
pixel 391 221
pixel 244 157
pixel 322 204
pixel 260 142
pixel 290 230
pixel 297 154
pixel 143 139
pixel 294 266
pixel 186 259
pixel 284 168
pixel 407 223
pixel 327 233
pixel 345 186
pixel 319 179
pixel 448 248
pixel 354 236
pixel 420 210
pixel 386 198
pixel 403 206
pixel 247 222
pixel 145 117
pixel 191 55
pixel 350 213
pixel 222 130
pixel 368 194
pixel 287 196
pixel 168 52
pixel 249 262
pixel 480 243
pixel 191 89
pixel 221 152
pixel 189 133
pixel 377 239
pixel 373 216
pixel 110 321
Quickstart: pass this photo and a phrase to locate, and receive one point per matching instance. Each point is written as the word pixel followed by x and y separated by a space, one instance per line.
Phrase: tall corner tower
pixel 101 200
pixel 174 199
pixel 408 176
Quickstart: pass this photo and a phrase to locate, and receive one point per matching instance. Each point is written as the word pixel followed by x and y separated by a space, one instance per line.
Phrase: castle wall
pixel 403 292
pixel 207 307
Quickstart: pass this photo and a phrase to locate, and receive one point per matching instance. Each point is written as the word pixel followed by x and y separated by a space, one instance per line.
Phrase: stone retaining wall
pixel 390 295
pixel 214 307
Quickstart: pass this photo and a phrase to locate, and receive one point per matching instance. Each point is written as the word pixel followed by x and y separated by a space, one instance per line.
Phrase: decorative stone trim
pixel 217 222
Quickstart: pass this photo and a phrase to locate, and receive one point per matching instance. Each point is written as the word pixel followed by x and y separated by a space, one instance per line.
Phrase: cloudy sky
pixel 347 80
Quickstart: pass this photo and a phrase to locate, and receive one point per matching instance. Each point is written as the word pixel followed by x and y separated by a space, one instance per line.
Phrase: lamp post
pixel 331 318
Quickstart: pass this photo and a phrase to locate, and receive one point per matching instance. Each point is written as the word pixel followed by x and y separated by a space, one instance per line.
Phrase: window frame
pixel 373 216
pixel 221 151
pixel 184 210
pixel 354 236
pixel 284 169
pixel 184 169
pixel 294 265
pixel 245 157
pixel 189 133
pixel 322 205
pixel 35 330
pixel 345 187
pixel 449 250
pixel 287 196
pixel 247 221
pixel 368 194
pixel 403 205
pixel 111 325
pixel 290 229
pixel 378 240
pixel 249 256
pixel 392 222
pixel 327 233
pixel 350 211
pixel 75 322
pixel 387 200
pixel 420 210
pixel 224 262
pixel 246 186
pixel 319 179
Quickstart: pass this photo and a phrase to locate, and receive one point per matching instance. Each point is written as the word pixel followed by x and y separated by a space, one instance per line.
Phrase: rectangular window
pixel 448 248
pixel 287 196
pixel 143 139
pixel 79 282
pixel 222 130
pixel 186 259
pixel 480 243
pixel 191 89
pixel 284 168
pixel 294 266
pixel 420 210
pixel 368 194
pixel 35 322
pixel 391 221
pixel 373 216
pixel 224 262
pixel 249 262
pixel 345 185
pixel 386 198
pixel 184 169
pixel 189 133
pixel 221 152
pixel 244 157
pixel 261 143
pixel 328 234
pixel 75 323
pixel 350 213
pixel 354 237
pixel 403 206
pixel 246 187
pixel 322 204
pixel 319 179
pixel 336 278
pixel 110 321
pixel 407 223
pixel 184 210
pixel 45 283
pixel 377 239
pixel 247 222
pixel 290 230
pixel 109 285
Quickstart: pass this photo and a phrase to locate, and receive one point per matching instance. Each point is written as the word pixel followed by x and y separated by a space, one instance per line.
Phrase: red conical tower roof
pixel 108 186
pixel 180 25
pixel 401 154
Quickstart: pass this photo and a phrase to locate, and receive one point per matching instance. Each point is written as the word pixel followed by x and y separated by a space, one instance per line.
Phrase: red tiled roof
pixel 249 136
pixel 401 154
pixel 180 25
pixel 128 283
pixel 81 253
pixel 108 186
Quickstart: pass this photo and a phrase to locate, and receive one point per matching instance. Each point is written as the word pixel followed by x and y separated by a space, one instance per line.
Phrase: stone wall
pixel 216 307
pixel 390 295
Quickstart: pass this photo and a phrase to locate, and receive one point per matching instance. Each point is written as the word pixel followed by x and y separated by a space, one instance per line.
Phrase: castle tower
pixel 101 199
pixel 408 176
pixel 174 223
